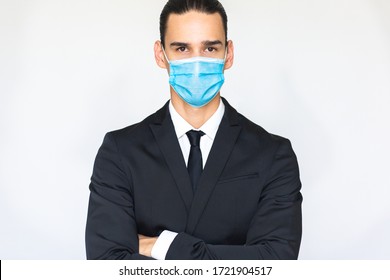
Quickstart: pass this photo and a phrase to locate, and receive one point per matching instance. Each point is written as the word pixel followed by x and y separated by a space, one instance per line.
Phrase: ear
pixel 159 55
pixel 230 55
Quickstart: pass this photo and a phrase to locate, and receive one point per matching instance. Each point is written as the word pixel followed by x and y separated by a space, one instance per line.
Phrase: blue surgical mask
pixel 196 80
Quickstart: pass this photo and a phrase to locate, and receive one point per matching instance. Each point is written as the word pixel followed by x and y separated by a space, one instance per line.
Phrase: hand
pixel 146 244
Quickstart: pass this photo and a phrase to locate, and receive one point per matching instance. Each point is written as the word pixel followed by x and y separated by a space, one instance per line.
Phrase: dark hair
pixel 180 7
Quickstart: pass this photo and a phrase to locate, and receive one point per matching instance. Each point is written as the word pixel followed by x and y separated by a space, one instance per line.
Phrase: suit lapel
pixel 164 133
pixel 224 142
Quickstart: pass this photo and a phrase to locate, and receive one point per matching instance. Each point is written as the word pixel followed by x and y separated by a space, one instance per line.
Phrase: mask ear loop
pixel 226 51
pixel 165 55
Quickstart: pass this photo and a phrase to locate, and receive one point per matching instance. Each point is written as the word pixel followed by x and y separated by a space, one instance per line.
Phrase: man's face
pixel 195 34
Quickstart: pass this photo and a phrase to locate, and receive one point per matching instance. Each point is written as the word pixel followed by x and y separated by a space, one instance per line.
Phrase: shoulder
pixel 138 132
pixel 264 143
pixel 254 130
pixel 249 128
pixel 274 151
pixel 253 134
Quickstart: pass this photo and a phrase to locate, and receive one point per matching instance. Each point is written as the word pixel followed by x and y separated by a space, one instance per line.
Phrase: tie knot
pixel 194 137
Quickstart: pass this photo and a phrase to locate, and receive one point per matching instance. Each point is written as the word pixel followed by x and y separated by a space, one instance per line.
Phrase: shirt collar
pixel 210 127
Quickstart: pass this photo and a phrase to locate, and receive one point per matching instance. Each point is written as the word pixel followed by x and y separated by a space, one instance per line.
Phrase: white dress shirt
pixel 210 129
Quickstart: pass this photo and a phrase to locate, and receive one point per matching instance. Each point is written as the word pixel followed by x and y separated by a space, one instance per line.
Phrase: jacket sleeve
pixel 276 228
pixel 111 231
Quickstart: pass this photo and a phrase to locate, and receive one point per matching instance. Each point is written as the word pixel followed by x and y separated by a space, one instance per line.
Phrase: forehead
pixel 194 26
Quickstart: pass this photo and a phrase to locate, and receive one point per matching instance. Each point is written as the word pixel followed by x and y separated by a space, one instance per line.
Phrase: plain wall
pixel 314 71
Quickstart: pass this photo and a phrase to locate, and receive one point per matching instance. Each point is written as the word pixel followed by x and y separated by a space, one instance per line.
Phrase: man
pixel 195 180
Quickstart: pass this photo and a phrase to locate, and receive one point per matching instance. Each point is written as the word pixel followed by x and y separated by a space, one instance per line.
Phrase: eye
pixel 181 49
pixel 211 49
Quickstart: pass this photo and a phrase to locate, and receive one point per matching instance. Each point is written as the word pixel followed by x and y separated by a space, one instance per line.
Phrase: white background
pixel 314 71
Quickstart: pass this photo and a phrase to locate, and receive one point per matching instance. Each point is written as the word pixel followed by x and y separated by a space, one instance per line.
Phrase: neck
pixel 196 117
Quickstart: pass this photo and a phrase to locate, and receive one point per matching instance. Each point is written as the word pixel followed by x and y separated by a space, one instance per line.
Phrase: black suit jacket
pixel 247 204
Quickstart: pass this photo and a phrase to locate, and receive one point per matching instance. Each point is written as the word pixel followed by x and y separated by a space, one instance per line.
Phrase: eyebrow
pixel 179 44
pixel 211 43
pixel 206 43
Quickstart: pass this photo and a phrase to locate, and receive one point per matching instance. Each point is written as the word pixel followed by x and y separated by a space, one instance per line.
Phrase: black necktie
pixel 195 165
